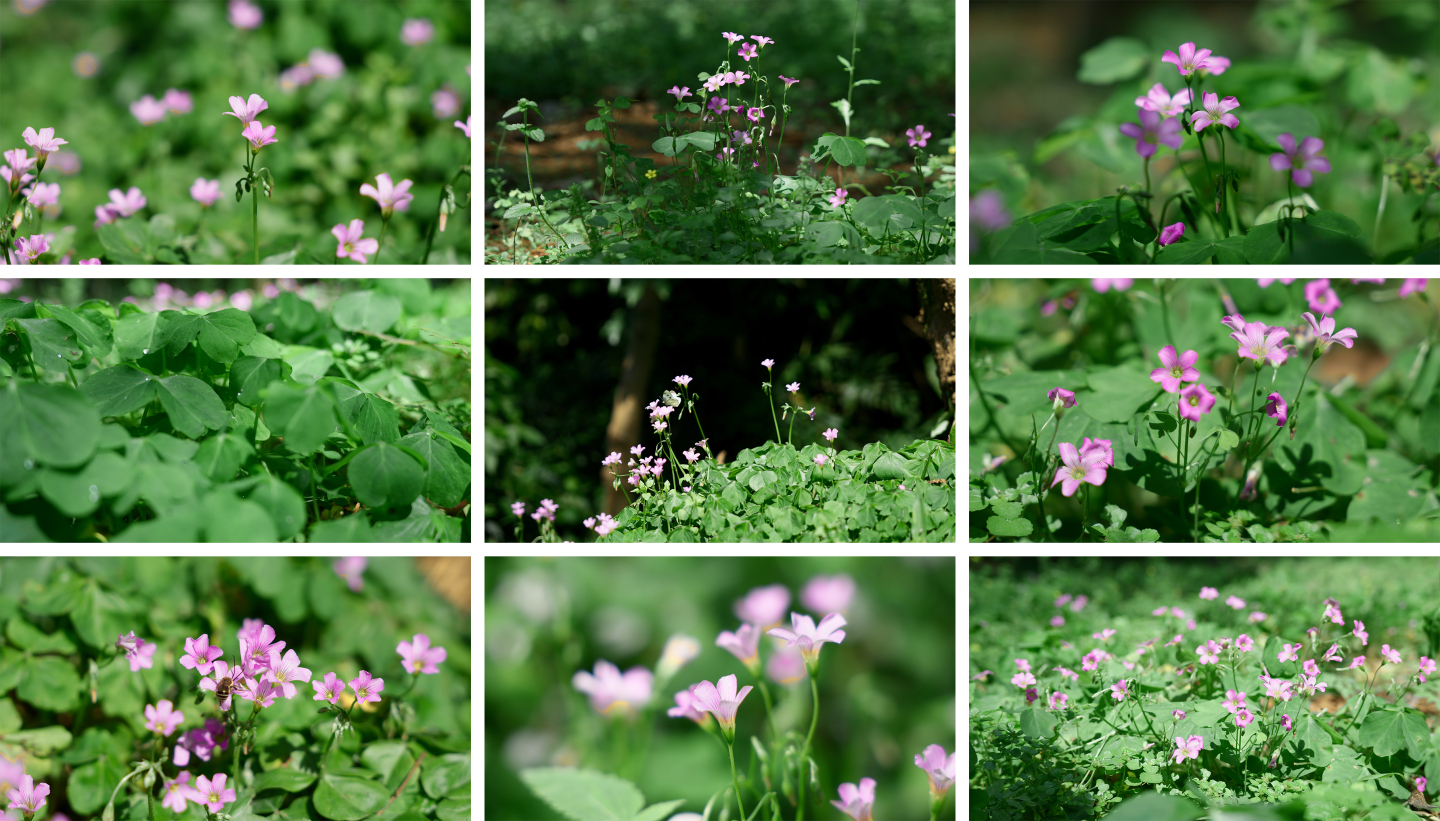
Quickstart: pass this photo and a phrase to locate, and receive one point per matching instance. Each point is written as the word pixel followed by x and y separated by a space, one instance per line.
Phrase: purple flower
pixel 987 210
pixel 610 691
pixel 366 688
pixel 764 606
pixel 940 768
pixel 1177 368
pixel 789 81
pixel 1159 100
pixel 1413 286
pixel 1301 161
pixel 1061 397
pixel 256 642
pixel 1325 333
pixel 1104 284
pixel 1089 468
pixel 1194 401
pixel 839 197
pixel 721 700
pixel 163 717
pixel 918 135
pixel 857 803
pixel 1171 233
pixel 1153 130
pixel 1261 342
pixel 28 797
pixel 1322 298
pixel 204 191
pixel 747 51
pixel 808 637
pixel 680 93
pixel 1189 59
pixel 1276 409
pixel 419 656
pixel 1104 450
pixel 199 655
pixel 244 15
pixel 1216 111
pixel 329 689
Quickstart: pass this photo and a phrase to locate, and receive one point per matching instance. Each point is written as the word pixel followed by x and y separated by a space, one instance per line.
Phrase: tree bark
pixel 936 324
pixel 627 410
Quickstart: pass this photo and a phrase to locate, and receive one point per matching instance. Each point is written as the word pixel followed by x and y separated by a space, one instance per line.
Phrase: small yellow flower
pixel 952 149
pixel 650 174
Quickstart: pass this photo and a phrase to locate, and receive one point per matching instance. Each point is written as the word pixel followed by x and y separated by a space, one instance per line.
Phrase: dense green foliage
pixel 334 134
pixel 1356 460
pixel 555 352
pixel 1351 751
pixel 886 692
pixel 225 425
pixel 72 706
pixel 1060 184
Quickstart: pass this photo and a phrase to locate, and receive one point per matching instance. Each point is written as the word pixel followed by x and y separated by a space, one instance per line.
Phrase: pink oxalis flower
pixel 1154 130
pixel 940 768
pixel 1188 60
pixel 858 803
pixel 918 135
pixel 1276 408
pixel 804 634
pixel 351 245
pixel 205 192
pixel 1321 297
pixel 721 700
pixel 1261 343
pixel 1077 469
pixel 367 688
pixel 1301 161
pixel 212 792
pixel 258 135
pixel 390 196
pixel 1194 401
pixel 1188 747
pixel 163 718
pixel 764 606
pixel 1177 368
pixel 1160 101
pixel 1059 397
pixel 1215 111
pixel 611 693
pixel 27 796
pixel 1171 233
pixel 1325 332
pixel 419 656
pixel 246 111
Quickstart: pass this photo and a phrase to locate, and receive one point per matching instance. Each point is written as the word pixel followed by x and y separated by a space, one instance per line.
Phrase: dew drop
pixel 57 356
pixel 94 494
pixel 147 379
pixel 147 350
pixel 29 464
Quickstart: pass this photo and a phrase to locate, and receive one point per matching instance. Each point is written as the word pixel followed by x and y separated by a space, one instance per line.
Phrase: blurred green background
pixel 1045 115
pixel 554 351
pixel 334 134
pixel 886 692
pixel 639 48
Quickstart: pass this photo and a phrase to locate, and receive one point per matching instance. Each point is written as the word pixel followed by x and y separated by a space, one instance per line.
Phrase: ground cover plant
pixel 1303 134
pixel 752 687
pixel 1204 410
pixel 688 453
pixel 211 688
pixel 1286 688
pixel 717 193
pixel 351 126
pixel 173 417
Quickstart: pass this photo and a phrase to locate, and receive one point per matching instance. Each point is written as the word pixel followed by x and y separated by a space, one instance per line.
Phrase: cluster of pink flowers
pixel 168 297
pixel 320 64
pixel 254 131
pixel 149 111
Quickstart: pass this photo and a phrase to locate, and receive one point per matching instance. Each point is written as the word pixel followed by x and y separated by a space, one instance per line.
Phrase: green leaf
pixel 285 778
pixel 1152 806
pixel 90 786
pixel 347 529
pixel 119 390
pixel 1379 83
pixel 135 335
pixel 848 151
pixel 127 241
pixel 458 809
pixel 43 740
pixel 99 615
pixel 304 416
pixel 307 365
pixel 46 424
pixel 1116 59
pixel 366 311
pixel 220 334
pixel 448 476
pixel 348 799
pixel 95 339
pixel 249 375
pixel 1263 245
pixel 670 146
pixel 585 795
pixel 1332 222
pixel 1117 394
pixel 192 405
pixel 1186 253
pixel 28 637
pixel 1037 722
pixel 1389 730
pixel 1229 440
pixel 50 683
pixel 1328 449
pixel 221 455
pixel 52 344
pixel 384 476
pixel 1010 528
pixel 889 214
pixel 375 419
pixel 446 775
pixel 282 502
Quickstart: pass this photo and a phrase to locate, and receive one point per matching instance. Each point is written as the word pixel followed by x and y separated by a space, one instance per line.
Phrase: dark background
pixel 553 352
pixel 567 54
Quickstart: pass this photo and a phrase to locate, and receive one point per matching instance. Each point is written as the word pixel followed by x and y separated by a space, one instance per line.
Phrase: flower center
pixel 1258 350
pixel 1194 401
pixel 1177 372
pixel 1078 473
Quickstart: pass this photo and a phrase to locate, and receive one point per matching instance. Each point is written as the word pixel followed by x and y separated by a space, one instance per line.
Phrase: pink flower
pixel 28 797
pixel 1322 298
pixel 465 126
pixel 1358 661
pixel 1359 633
pixel 1265 281
pixel 789 81
pixel 857 803
pixel 177 101
pixel 1059 397
pixel 211 793
pixel 204 191
pixel 44 142
pixel 747 51
pixel 243 110
pixel 1215 64
pixel 830 434
pixel 348 568
pixel 199 655
pixel 1276 408
pixel 148 110
pixel 940 768
pixel 741 137
pixel 1119 690
pixel 144 654
pixel 326 64
pixel 419 656
pixel 1256 617
pixel 1077 469
pixel 1301 162
pixel 367 688
pixel 1413 286
pixel 1177 368
pixel 1058 701
pixel 764 606
pixel 1159 100
pixel 754 115
pixel 1325 332
pixel 828 594
pixel 1209 652
pixel 786 666
pixel 1427 667
pixel 680 93
pixel 126 204
pixel 415 32
pixel 1189 59
pixel 329 689
pixel 1236 602
pixel 220 672
pixel 1189 747
pixel 286 670
pixel 391 197
pixel 1234 701
pixel 351 245
pixel 1103 284
pixel 763 41
pixel 258 135
pixel 1022 679
pixel 1194 401
pixel 1101 449
pixel 1420 783
pixel 1209 593
pixel 610 692
pixel 839 198
pixel 1391 656
pixel 803 633
pixel 685 706
pixel 1333 654
pixel 176 791
pixel 444 103
pixel 721 700
pixel 1243 718
pixel 244 15
pixel 1154 130
pixel 1171 233
pixel 918 135
pixel 1261 342
pixel 733 37
pixel 744 643
pixel 163 717
pixel 1289 652
pixel 1278 688
pixel 1216 111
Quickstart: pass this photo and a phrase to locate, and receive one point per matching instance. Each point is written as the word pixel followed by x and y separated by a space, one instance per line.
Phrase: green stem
pixel 805 751
pixel 255 214
pixel 1380 212
pixel 1165 309
pixel 384 223
pixel 1221 194
pixel 773 418
pixel 735 782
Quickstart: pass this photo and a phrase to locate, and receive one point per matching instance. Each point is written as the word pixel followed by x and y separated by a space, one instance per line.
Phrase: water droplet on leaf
pixel 147 350
pixel 29 464
pixel 94 494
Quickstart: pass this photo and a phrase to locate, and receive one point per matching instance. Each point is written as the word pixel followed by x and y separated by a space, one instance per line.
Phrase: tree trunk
pixel 936 324
pixel 627 411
